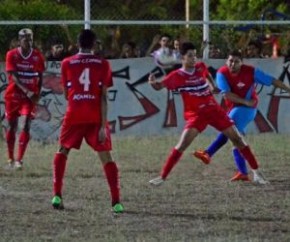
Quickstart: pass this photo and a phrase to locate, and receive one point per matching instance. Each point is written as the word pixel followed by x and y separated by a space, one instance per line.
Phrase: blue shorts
pixel 242 116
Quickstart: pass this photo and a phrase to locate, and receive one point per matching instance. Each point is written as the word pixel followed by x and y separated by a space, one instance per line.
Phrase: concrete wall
pixel 136 109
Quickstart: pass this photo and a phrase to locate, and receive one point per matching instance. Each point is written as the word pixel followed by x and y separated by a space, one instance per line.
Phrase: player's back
pixel 84 75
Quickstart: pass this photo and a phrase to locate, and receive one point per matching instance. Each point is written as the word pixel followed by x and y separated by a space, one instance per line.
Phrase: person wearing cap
pixel 24 66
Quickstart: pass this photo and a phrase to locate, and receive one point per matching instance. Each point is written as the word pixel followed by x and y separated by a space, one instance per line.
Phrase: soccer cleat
pixel 157 181
pixel 10 164
pixel 18 165
pixel 240 177
pixel 203 156
pixel 57 203
pixel 259 178
pixel 118 208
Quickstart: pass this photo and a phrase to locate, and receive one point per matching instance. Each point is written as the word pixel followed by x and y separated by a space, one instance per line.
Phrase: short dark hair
pixel 186 46
pixel 236 53
pixel 87 39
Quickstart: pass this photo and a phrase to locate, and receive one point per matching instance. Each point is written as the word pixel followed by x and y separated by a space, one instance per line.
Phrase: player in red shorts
pixel 85 79
pixel 196 86
pixel 24 66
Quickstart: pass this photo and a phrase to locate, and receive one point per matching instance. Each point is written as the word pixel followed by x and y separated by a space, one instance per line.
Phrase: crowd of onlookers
pixel 267 47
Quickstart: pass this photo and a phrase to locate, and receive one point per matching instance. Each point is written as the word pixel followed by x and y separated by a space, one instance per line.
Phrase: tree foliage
pixel 132 10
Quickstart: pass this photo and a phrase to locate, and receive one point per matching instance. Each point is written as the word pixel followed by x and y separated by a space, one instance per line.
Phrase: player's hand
pixel 151 78
pixel 102 135
pixel 215 90
pixel 251 103
pixel 29 94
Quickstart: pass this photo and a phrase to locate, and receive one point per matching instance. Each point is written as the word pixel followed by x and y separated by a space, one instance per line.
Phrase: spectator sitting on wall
pixel 56 52
pixel 129 50
pixel 254 49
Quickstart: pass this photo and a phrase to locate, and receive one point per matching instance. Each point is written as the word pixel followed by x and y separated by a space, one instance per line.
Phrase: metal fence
pixel 115 25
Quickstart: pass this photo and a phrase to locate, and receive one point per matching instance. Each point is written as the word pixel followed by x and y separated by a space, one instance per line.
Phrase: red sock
pixel 59 164
pixel 10 140
pixel 249 156
pixel 171 161
pixel 22 144
pixel 111 172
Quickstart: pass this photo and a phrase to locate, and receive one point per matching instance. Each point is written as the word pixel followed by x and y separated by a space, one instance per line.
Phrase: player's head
pixel 188 52
pixel 25 37
pixel 87 39
pixel 234 61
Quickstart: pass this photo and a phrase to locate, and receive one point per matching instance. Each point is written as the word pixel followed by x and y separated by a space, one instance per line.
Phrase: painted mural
pixel 136 109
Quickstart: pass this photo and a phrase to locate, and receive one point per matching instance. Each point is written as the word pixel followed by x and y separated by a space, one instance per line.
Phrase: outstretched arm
pixel 152 81
pixel 214 89
pixel 280 84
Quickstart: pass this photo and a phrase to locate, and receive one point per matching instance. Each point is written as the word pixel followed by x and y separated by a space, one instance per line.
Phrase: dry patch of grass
pixel 196 203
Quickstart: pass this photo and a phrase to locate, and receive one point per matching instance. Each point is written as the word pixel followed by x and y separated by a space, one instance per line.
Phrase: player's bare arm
pixel 214 89
pixel 152 81
pixel 104 111
pixel 236 99
pixel 280 84
pixel 27 92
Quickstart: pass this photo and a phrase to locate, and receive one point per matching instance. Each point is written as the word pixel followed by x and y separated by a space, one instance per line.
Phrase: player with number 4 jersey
pixel 84 76
pixel 85 79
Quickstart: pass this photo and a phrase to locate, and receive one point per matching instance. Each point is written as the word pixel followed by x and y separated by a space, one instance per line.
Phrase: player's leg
pixel 233 134
pixel 185 140
pixel 59 165
pixel 23 140
pixel 111 172
pixel 70 137
pixel 205 155
pixel 11 114
pixel 242 116
pixel 110 167
pixel 10 139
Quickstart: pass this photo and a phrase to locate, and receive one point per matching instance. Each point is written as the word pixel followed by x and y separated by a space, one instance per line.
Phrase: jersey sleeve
pixel 222 82
pixel 205 71
pixel 263 78
pixel 107 74
pixel 9 62
pixel 169 81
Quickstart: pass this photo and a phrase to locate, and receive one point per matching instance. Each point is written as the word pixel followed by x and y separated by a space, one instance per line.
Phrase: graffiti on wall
pixel 136 109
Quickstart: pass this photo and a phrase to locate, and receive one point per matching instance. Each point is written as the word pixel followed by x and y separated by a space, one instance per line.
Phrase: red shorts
pixel 71 136
pixel 215 116
pixel 15 108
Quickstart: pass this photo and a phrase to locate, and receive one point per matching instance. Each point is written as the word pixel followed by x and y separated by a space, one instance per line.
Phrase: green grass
pixel 196 203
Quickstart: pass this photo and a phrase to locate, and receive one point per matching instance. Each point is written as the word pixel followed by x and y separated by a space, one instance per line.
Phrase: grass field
pixel 196 203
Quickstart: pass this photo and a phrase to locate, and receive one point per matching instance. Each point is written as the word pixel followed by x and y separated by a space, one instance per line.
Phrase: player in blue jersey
pixel 237 84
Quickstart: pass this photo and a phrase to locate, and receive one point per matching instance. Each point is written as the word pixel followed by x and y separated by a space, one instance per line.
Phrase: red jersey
pixel 84 75
pixel 27 68
pixel 242 83
pixel 193 88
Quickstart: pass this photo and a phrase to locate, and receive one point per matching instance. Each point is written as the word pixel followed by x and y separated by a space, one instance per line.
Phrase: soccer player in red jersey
pixel 24 66
pixel 196 86
pixel 85 79
pixel 237 82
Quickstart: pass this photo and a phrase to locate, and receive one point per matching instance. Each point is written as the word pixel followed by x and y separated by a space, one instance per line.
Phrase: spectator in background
pixel 176 49
pixel 14 43
pixel 213 51
pixel 129 50
pixel 57 51
pixel 164 56
pixel 254 49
